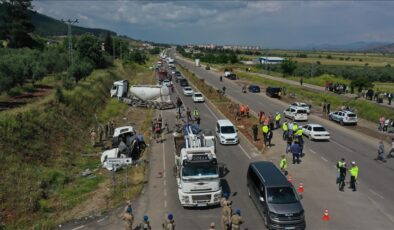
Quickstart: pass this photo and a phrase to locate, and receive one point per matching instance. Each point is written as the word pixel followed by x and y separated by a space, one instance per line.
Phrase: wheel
pixel 330 118
pixel 310 137
pixel 341 122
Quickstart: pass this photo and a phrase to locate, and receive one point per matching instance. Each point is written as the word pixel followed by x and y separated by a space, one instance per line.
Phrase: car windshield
pixel 301 111
pixel 319 129
pixel 198 95
pixel 199 169
pixel 281 195
pixel 188 89
pixel 227 129
pixel 351 115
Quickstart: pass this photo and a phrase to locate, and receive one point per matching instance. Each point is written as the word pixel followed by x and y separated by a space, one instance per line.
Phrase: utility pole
pixel 70 42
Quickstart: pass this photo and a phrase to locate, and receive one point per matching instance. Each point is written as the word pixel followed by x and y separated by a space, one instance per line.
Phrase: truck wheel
pixel 134 104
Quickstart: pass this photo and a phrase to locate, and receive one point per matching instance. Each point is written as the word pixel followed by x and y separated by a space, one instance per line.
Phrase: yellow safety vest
pixel 283 163
pixel 265 129
pixel 195 113
pixel 285 127
pixel 299 132
pixel 354 171
pixel 277 118
pixel 295 127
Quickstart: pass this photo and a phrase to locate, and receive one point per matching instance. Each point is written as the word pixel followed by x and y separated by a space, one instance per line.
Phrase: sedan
pixel 316 132
pixel 198 97
pixel 188 91
pixel 254 89
pixel 306 106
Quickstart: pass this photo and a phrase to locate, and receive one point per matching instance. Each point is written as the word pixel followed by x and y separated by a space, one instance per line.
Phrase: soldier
pixel 224 199
pixel 128 218
pixel 226 215
pixel 93 137
pixel 146 224
pixel 236 220
pixel 169 223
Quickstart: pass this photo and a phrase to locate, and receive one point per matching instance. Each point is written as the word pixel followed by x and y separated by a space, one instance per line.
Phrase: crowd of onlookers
pixel 386 124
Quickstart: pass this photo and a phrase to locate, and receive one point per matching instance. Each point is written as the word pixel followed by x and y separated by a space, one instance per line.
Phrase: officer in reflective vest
pixel 298 135
pixel 295 127
pixel 196 113
pixel 283 164
pixel 353 176
pixel 265 133
pixel 341 163
pixel 277 120
pixel 285 129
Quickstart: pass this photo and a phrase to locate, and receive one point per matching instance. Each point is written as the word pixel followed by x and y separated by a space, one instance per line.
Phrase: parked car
pixel 254 89
pixel 306 106
pixel 343 117
pixel 316 132
pixel 273 91
pixel 296 113
pixel 188 91
pixel 198 97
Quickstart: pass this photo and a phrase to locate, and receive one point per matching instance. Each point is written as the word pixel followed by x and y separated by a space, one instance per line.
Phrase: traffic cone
pixel 290 178
pixel 301 188
pixel 326 217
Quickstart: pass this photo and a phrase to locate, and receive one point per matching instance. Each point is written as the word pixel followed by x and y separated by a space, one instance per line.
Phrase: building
pixel 271 60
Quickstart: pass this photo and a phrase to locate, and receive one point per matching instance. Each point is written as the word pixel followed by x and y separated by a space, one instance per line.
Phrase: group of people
pixel 377 96
pixel 341 174
pixel 267 124
pixel 128 218
pixel 386 124
pixel 101 132
pixel 381 156
pixel 230 220
pixel 337 87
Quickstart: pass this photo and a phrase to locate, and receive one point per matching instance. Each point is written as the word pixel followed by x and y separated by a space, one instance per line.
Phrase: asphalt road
pixel 375 190
pixel 371 207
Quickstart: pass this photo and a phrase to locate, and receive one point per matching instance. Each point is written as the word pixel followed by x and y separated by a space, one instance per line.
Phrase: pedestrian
pixel 93 137
pixel 389 155
pixel 328 108
pixel 339 165
pixel 381 152
pixel 226 215
pixel 157 132
pixel 261 117
pixel 140 142
pixel 277 120
pixel 265 129
pixel 289 141
pixel 128 219
pixel 381 123
pixel 106 130
pixel 169 223
pixel 269 135
pixel 223 90
pixel 390 97
pixel 247 110
pixel 342 176
pixel 295 149
pixel 298 135
pixel 198 122
pixel 283 165
pixel 255 131
pixel 285 129
pixel 386 124
pixel 146 224
pixel 353 176
pixel 212 226
pixel 236 220
pixel 188 115
pixel 196 113
pixel 301 81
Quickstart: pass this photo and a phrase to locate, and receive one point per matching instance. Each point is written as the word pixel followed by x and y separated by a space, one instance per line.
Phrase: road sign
pixel 119 161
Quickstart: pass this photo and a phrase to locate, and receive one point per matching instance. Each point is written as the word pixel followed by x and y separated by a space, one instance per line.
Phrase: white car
pixel 296 113
pixel 306 106
pixel 167 83
pixel 316 132
pixel 198 97
pixel 188 91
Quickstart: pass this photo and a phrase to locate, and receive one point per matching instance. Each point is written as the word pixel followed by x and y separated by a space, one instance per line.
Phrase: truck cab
pixel 119 89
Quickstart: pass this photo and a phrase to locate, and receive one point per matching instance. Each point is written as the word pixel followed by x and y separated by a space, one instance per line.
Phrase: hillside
pixel 384 49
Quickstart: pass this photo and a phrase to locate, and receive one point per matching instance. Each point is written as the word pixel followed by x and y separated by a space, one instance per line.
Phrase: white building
pixel 271 60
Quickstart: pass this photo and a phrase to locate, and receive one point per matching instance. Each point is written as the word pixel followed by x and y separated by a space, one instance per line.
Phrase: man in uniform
pixel 169 223
pixel 295 149
pixel 285 129
pixel 196 113
pixel 224 199
pixel 226 215
pixel 236 220
pixel 128 218
pixel 299 134
pixel 283 164
pixel 353 176
pixel 265 129
pixel 146 224
pixel 339 165
pixel 277 120
pixel 255 130
pixel 342 175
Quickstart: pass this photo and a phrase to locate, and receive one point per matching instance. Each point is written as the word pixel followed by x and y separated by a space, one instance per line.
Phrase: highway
pixel 371 207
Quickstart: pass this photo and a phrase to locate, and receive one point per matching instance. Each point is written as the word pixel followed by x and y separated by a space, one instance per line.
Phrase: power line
pixel 70 42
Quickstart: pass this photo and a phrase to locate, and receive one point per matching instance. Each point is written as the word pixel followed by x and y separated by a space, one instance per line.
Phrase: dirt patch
pixel 27 97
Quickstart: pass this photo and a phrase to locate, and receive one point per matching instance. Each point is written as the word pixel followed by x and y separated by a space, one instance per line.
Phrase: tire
pixel 341 122
pixel 330 118
pixel 310 137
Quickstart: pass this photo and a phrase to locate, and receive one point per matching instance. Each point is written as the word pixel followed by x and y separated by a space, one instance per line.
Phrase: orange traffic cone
pixel 326 217
pixel 301 188
pixel 290 179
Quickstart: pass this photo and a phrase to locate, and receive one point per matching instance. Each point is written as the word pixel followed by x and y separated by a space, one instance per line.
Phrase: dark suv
pixel 273 91
pixel 183 82
pixel 274 196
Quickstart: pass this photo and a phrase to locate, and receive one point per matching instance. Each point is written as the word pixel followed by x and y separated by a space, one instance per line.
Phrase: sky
pixel 270 24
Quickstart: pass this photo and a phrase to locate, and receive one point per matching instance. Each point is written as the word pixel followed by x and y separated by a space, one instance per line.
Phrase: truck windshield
pixel 199 169
pixel 281 195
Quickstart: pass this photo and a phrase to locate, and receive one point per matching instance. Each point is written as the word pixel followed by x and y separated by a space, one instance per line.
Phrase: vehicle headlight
pixel 222 137
pixel 273 216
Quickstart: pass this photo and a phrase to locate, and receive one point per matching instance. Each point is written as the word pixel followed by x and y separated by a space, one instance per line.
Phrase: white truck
pixel 196 169
pixel 198 62
pixel 151 96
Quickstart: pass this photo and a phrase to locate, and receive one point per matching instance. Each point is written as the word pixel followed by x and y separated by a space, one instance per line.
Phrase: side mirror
pixel 261 199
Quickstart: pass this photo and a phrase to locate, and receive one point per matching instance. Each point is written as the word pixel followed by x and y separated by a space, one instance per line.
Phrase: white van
pixel 226 132
pixel 296 113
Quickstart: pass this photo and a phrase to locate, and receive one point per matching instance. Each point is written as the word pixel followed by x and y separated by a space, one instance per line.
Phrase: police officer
pixel 340 164
pixel 226 215
pixel 236 220
pixel 169 223
pixel 196 113
pixel 265 129
pixel 342 176
pixel 277 120
pixel 128 218
pixel 283 164
pixel 295 127
pixel 299 134
pixel 285 129
pixel 255 130
pixel 353 176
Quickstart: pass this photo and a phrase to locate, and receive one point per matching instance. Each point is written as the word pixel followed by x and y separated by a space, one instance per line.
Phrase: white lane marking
pixel 211 111
pixel 341 145
pixel 165 192
pixel 243 150
pixel 165 204
pixel 82 226
pixel 377 194
pixel 164 182
pixel 310 150
pixel 324 159
pixel 380 209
